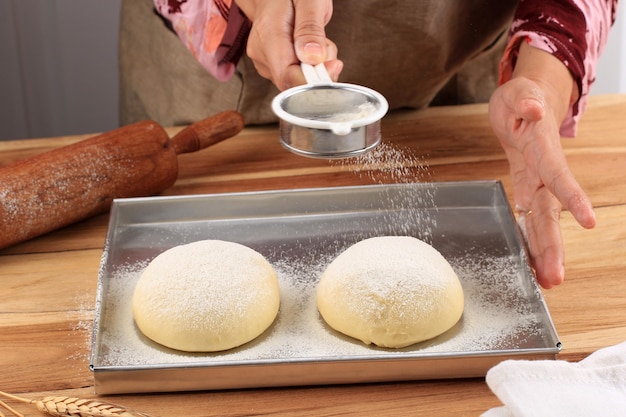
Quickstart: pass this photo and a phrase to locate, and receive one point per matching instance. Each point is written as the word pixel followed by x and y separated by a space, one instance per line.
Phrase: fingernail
pixel 312 53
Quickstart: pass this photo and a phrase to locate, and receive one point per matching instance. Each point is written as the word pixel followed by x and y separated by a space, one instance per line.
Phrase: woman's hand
pixel 526 113
pixel 287 32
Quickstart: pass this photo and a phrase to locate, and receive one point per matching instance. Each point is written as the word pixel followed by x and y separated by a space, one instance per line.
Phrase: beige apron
pixel 416 53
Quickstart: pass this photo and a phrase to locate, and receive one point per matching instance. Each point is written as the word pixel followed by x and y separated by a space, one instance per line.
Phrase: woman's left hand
pixel 527 124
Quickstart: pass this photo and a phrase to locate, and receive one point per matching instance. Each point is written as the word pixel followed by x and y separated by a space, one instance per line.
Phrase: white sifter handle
pixel 316 74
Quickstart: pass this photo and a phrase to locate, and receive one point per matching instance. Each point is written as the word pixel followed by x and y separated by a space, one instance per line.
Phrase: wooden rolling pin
pixel 69 184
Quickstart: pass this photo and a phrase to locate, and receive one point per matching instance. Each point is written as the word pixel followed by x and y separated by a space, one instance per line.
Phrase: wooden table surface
pixel 48 284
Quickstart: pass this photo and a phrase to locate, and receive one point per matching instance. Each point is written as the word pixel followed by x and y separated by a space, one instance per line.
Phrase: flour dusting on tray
pixel 300 333
pixel 300 232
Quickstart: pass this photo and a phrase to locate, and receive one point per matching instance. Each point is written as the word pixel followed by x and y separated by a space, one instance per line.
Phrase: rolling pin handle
pixel 207 132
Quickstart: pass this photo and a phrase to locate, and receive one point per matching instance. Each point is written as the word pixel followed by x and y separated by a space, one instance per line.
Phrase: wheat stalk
pixel 6 406
pixel 73 407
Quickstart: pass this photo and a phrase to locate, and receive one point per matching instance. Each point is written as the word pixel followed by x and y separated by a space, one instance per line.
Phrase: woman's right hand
pixel 286 33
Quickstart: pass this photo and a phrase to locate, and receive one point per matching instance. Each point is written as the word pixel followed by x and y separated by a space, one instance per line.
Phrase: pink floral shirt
pixel 575 31
pixel 215 31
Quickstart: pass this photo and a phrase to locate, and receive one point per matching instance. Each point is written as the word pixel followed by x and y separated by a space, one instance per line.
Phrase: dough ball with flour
pixel 206 296
pixel 392 291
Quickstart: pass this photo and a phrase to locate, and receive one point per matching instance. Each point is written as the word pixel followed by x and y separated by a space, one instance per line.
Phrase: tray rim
pixel 549 352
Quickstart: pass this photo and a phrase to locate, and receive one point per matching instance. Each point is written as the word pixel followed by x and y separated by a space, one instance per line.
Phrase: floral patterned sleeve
pixel 215 31
pixel 574 31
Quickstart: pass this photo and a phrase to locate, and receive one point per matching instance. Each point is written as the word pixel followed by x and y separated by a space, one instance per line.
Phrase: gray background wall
pixel 58 66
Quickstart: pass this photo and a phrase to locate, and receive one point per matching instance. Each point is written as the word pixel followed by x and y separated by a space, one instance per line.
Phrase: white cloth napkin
pixel 593 387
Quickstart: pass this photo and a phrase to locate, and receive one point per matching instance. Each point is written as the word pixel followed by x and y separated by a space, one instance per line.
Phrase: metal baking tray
pixel 300 232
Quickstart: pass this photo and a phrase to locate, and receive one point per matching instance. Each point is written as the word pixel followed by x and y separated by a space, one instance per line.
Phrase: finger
pixel 559 179
pixel 514 104
pixel 530 106
pixel 270 43
pixel 573 198
pixel 334 68
pixel 294 75
pixel 581 208
pixel 545 242
pixel 308 33
pixel 522 190
pixel 331 51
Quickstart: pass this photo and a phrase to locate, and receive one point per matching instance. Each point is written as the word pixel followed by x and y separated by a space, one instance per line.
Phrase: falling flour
pixel 389 164
pixel 500 313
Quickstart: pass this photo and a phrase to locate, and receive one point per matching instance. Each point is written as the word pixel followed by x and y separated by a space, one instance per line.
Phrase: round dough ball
pixel 392 291
pixel 206 296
